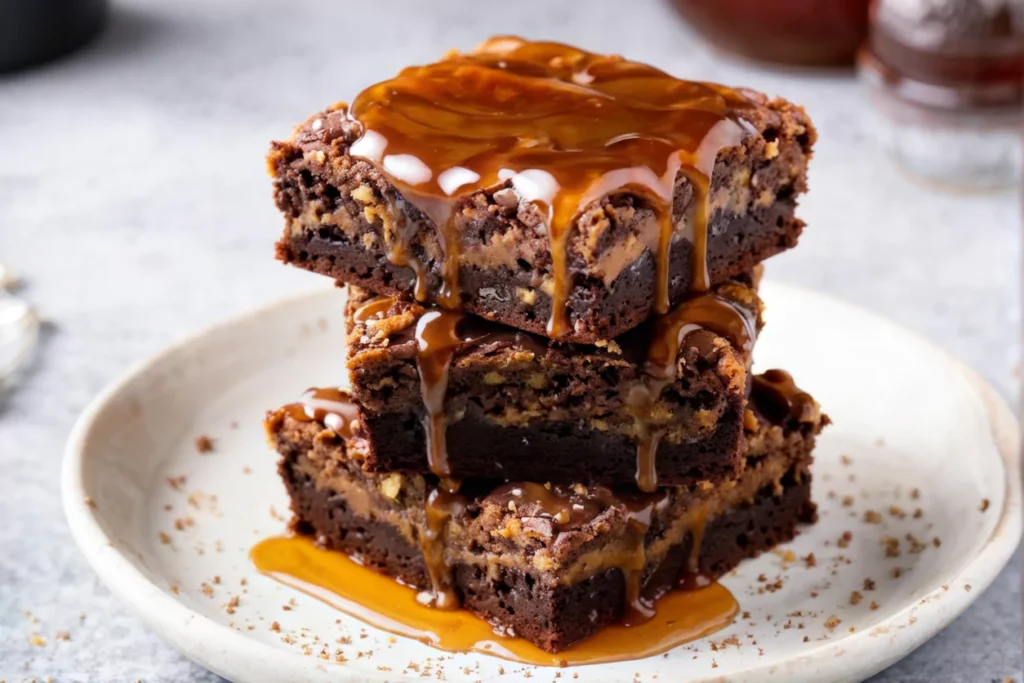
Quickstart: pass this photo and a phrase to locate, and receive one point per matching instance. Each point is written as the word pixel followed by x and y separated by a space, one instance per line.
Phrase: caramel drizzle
pixel 670 333
pixel 776 397
pixel 570 509
pixel 437 340
pixel 331 406
pixel 441 506
pixel 373 308
pixel 563 128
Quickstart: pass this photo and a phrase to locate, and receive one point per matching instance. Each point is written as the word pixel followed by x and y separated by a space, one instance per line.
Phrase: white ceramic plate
pixel 920 446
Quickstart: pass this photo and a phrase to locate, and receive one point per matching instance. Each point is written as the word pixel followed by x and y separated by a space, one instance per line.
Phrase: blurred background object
pixel 35 31
pixel 946 78
pixel 800 32
pixel 19 330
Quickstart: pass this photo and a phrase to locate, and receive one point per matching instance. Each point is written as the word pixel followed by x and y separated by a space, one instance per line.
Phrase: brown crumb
pixel 916 546
pixel 164 538
pixel 869 584
pixel 847 501
pixel 177 483
pixel 204 444
pixel 174 589
pixel 918 513
pixel 62 635
pixel 832 622
pixel 897 572
pixel 984 505
pixel 845 459
pixel 806 639
pixel 936 541
pixel 207 589
pixel 897 512
pixel 873 606
pixel 275 627
pixel 216 581
pixel 967 587
pixel 810 561
pixel 872 517
pixel 844 540
pixel 246 470
pixel 915 493
pixel 231 605
pixel 892 546
pixel 855 598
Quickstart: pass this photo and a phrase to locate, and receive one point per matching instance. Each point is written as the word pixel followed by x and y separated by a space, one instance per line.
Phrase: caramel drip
pixel 562 127
pixel 372 308
pixel 647 454
pixel 697 525
pixel 668 335
pixel 776 397
pixel 331 406
pixel 400 252
pixel 708 311
pixel 572 507
pixel 437 340
pixel 441 507
pixel 385 604
pixel 638 609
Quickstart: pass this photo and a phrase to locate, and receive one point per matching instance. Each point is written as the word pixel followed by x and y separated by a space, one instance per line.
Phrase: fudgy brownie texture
pixel 551 581
pixel 346 219
pixel 519 406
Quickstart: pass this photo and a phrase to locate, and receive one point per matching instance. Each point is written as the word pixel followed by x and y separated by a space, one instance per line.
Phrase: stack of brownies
pixel 552 267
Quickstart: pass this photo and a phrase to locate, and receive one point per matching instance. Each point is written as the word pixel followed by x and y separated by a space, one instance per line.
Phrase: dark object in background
pixel 947 80
pixel 799 32
pixel 36 31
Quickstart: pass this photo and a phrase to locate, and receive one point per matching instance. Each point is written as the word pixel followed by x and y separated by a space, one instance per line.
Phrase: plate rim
pixel 191 632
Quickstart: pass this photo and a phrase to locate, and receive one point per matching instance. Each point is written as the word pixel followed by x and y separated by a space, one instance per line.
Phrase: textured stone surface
pixel 133 200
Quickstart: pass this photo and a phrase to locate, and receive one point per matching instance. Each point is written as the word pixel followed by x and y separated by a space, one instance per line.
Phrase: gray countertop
pixel 134 201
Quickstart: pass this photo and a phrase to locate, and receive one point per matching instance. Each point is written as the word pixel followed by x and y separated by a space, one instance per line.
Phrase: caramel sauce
pixel 668 334
pixel 373 308
pixel 331 406
pixel 381 602
pixel 776 397
pixel 570 509
pixel 437 340
pixel 563 128
pixel 441 506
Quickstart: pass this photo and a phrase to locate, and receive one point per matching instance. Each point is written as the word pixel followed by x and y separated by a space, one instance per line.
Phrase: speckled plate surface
pixel 917 485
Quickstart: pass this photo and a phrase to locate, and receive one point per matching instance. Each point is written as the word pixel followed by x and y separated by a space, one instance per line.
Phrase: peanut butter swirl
pixel 562 127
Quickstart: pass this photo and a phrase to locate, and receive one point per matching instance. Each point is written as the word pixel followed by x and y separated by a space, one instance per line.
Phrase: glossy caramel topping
pixel 385 604
pixel 571 507
pixel 775 396
pixel 562 127
pixel 437 339
pixel 374 307
pixel 441 507
pixel 331 406
pixel 668 335
pixel 708 311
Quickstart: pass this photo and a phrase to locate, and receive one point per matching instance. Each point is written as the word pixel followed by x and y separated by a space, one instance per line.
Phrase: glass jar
pixel 946 78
